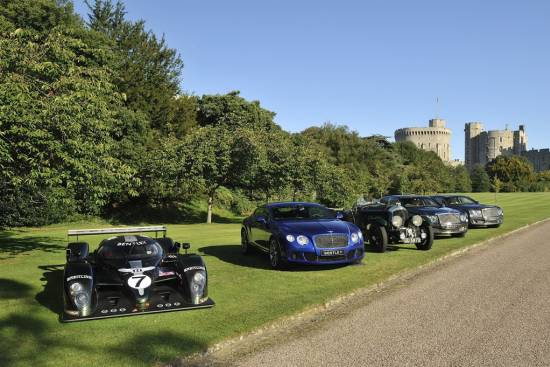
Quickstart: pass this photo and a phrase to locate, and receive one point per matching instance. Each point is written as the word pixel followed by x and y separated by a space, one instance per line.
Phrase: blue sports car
pixel 304 233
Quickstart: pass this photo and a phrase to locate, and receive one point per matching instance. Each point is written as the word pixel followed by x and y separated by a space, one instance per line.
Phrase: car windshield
pixel 137 251
pixel 458 200
pixel 302 212
pixel 410 202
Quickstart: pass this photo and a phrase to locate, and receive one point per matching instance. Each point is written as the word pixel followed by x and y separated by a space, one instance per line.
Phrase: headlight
pixel 397 221
pixel 500 212
pixel 354 237
pixel 290 238
pixel 81 300
pixel 417 220
pixel 475 213
pixel 463 217
pixel 197 287
pixel 360 234
pixel 432 218
pixel 75 288
pixel 302 240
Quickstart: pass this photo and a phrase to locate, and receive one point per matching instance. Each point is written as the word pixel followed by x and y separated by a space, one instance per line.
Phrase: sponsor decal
pixel 78 277
pixel 194 268
pixel 137 243
pixel 165 273
pixel 140 281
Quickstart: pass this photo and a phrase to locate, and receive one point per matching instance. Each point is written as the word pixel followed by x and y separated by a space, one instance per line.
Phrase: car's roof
pixel 290 203
pixel 406 196
pixel 448 195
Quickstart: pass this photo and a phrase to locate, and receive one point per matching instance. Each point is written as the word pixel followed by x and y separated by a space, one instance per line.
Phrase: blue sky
pixel 372 65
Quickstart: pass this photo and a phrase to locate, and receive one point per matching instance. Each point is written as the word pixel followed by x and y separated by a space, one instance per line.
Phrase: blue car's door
pixel 259 228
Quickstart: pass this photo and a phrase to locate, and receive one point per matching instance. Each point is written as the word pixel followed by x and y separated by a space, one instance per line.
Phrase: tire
pixel 245 245
pixel 428 242
pixel 275 256
pixel 378 237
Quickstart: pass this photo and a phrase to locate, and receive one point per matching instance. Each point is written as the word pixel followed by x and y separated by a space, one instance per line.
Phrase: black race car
pixel 479 215
pixel 130 275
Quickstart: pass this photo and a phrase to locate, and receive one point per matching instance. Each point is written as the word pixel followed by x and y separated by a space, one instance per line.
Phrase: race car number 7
pixel 139 281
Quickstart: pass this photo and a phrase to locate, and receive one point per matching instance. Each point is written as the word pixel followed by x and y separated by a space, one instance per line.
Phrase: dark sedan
pixel 305 233
pixel 444 221
pixel 479 215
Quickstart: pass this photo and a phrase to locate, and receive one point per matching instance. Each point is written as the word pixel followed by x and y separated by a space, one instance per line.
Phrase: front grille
pixel 490 213
pixel 449 219
pixel 331 240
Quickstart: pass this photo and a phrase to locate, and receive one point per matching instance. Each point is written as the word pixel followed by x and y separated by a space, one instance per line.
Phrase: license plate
pixel 412 240
pixel 332 252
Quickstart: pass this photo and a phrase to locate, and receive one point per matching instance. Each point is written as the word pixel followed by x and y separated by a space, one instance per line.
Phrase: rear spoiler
pixel 89 232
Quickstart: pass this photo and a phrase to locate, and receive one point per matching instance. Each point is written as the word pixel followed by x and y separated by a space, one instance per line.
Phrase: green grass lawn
pixel 247 293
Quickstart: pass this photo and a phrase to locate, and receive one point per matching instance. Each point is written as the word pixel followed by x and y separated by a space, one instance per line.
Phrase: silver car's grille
pixel 449 218
pixel 331 240
pixel 490 212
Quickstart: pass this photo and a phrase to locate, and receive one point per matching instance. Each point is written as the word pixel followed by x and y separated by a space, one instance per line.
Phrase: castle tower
pixel 435 138
pixel 472 134
pixel 520 140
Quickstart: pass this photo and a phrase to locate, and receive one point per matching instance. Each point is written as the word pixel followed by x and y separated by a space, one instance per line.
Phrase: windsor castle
pixel 481 146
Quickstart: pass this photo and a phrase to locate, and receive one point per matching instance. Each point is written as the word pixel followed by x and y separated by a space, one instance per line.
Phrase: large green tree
pixel 59 110
pixel 480 179
pixel 218 157
pixel 515 172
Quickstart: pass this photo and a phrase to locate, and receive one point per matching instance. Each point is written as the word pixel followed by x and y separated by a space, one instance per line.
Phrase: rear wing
pixel 90 232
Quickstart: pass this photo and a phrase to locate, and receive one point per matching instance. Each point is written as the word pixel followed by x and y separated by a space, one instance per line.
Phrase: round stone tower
pixel 435 138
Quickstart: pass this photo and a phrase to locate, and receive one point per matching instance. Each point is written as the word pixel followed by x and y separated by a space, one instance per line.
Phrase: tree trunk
pixel 209 210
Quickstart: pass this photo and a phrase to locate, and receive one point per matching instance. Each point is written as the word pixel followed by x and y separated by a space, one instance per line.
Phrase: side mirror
pixel 177 245
pixel 186 246
pixel 261 219
pixel 339 215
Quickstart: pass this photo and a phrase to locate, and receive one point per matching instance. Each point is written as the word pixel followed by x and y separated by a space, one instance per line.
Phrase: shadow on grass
pixel 12 289
pixel 137 213
pixel 51 296
pixel 256 259
pixel 232 254
pixel 30 341
pixel 11 246
pixel 156 346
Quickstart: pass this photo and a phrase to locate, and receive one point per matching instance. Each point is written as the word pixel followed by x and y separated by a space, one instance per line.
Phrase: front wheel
pixel 275 256
pixel 378 237
pixel 427 242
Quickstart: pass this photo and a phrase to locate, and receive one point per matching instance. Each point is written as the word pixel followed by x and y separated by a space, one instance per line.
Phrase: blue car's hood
pixel 313 227
pixel 430 210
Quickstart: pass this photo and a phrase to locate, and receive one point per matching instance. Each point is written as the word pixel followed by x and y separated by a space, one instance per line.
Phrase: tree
pixel 234 111
pixel 480 179
pixel 461 178
pixel 149 72
pixel 58 110
pixel 515 172
pixel 218 156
